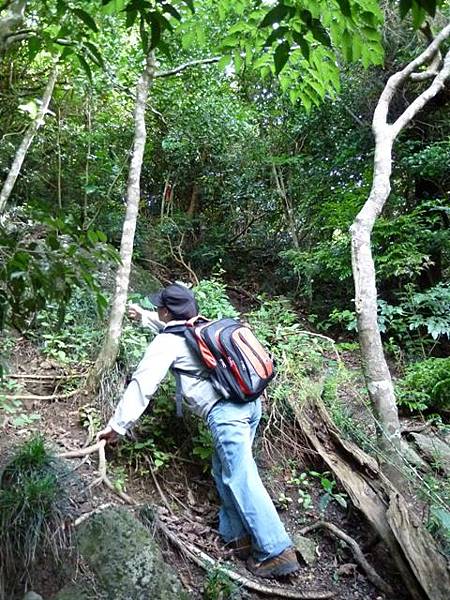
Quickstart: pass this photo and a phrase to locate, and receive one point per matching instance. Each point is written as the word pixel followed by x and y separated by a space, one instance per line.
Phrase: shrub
pixel 426 385
pixel 33 504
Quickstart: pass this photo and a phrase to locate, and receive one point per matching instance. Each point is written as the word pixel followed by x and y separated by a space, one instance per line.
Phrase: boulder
pixel 124 559
pixel 434 450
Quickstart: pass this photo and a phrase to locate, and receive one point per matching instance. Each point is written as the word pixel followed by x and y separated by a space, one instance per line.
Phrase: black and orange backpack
pixel 238 365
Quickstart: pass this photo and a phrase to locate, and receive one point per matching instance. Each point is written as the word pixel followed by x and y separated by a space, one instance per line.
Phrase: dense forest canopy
pixel 249 173
pixel 236 146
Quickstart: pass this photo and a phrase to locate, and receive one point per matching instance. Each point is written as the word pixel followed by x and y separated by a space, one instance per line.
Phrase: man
pixel 248 520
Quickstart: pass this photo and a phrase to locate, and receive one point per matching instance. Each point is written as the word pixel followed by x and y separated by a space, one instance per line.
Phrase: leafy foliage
pixel 213 300
pixel 43 260
pixel 305 37
pixel 425 385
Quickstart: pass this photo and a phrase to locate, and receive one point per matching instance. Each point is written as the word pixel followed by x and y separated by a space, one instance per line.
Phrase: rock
pixel 434 450
pixel 32 596
pixel 76 592
pixel 306 548
pixel 413 457
pixel 125 559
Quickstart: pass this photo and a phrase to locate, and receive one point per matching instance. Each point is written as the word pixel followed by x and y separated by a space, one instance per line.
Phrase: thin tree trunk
pixel 108 353
pixel 58 145
pixel 287 206
pixel 26 142
pixel 88 157
pixel 376 371
pixel 193 205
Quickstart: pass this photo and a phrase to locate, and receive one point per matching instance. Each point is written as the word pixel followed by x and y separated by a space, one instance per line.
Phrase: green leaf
pixel 101 302
pixel 164 23
pixel 281 56
pixel 144 35
pixel 86 18
pixel 92 236
pixel 34 46
pixel 237 60
pixel 155 28
pixel 276 33
pixel 164 48
pixel 306 17
pixel 168 8
pixel 418 15
pixel 85 66
pixel 131 18
pixel 95 52
pixel 188 39
pixel 405 7
pixel 30 107
pixel 304 46
pixel 429 6
pixel 324 502
pixel 344 5
pixel 111 7
pixel 306 102
pixel 224 61
pixel 275 15
pixel 190 5
pixel 320 33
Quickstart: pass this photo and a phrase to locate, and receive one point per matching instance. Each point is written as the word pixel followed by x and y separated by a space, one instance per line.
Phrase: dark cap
pixel 178 299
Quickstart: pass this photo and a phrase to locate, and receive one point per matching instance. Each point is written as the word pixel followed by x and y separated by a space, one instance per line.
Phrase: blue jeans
pixel 246 505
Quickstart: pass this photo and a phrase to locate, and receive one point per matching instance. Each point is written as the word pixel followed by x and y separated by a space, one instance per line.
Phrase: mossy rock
pixel 125 559
pixel 73 592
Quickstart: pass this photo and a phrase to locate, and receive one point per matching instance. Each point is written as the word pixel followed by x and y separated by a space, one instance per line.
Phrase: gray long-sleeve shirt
pixel 165 351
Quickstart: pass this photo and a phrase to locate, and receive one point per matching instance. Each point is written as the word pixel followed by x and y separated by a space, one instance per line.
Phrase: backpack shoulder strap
pixel 178 393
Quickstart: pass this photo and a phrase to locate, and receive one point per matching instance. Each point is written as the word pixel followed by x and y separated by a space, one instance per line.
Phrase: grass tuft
pixel 33 502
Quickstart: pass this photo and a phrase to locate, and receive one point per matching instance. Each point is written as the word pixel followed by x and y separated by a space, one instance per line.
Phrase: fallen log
pixel 421 565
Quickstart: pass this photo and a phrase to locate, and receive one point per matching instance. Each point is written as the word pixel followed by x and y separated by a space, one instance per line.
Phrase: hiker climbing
pixel 248 520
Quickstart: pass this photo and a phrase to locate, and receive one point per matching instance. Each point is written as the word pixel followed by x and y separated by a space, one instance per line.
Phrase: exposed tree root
pixel 372 575
pixel 85 516
pixel 158 487
pixel 413 549
pixel 46 377
pixel 103 478
pixel 206 562
pixel 52 397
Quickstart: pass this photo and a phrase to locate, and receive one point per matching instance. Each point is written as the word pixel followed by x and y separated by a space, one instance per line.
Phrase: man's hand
pixel 108 434
pixel 135 312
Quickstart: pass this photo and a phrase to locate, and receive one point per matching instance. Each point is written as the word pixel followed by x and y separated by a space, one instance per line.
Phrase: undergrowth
pixel 34 505
pixel 425 385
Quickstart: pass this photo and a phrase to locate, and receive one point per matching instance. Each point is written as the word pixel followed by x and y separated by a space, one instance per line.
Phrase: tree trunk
pixel 26 142
pixel 287 206
pixel 412 548
pixel 108 353
pixel 10 22
pixel 376 371
pixel 193 205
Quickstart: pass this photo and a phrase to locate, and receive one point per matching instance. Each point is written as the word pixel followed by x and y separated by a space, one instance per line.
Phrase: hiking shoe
pixel 241 547
pixel 278 566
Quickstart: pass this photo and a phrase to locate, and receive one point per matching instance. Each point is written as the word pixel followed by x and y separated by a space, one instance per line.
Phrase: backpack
pixel 239 367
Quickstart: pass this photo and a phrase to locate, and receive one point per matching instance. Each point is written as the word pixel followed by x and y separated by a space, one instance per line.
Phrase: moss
pixel 126 561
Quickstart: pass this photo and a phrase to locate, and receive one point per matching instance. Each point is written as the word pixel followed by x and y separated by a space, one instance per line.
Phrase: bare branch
pixel 372 575
pixel 207 563
pixel 33 397
pixel 102 478
pixel 425 96
pixel 381 111
pixel 193 63
pixel 433 67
